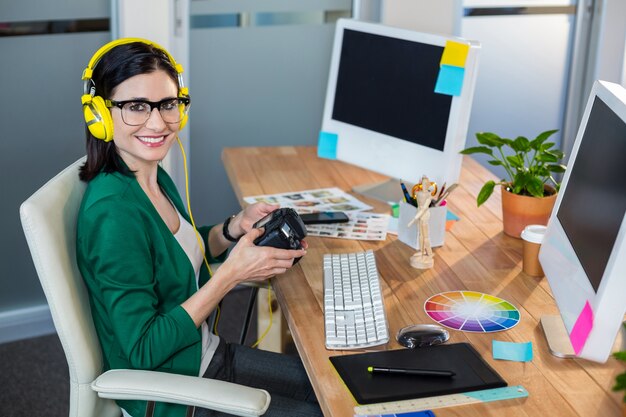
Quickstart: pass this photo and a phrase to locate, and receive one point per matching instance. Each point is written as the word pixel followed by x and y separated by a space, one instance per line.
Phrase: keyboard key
pixel 353 304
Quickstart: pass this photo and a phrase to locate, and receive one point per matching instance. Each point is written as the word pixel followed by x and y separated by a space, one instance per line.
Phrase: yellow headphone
pixel 97 114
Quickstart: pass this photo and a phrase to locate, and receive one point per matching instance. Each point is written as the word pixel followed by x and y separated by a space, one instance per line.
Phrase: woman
pixel 141 258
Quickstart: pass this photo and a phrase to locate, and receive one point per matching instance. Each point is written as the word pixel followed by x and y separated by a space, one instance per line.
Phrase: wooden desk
pixel 476 256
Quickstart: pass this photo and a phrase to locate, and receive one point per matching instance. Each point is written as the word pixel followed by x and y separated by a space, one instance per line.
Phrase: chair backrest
pixel 49 222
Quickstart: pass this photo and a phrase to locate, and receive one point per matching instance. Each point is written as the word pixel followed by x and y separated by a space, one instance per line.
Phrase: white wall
pixel 524 61
pixel 40 71
pixel 610 64
pixel 441 16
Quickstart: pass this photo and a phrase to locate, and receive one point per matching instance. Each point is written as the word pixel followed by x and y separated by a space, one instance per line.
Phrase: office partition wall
pixel 44 46
pixel 523 76
pixel 258 73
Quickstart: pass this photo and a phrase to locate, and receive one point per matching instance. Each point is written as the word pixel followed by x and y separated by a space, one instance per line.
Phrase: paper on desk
pixel 310 201
pixel 362 226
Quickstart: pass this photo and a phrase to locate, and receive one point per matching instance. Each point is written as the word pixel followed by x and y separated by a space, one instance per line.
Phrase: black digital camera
pixel 284 229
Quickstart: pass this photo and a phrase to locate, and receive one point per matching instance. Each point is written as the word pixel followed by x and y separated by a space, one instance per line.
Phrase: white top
pixel 186 237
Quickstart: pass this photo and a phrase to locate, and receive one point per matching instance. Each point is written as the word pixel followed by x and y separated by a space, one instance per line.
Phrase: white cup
pixel 532 236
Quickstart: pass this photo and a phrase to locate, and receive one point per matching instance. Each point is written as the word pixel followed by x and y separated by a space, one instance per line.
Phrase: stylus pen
pixel 407 371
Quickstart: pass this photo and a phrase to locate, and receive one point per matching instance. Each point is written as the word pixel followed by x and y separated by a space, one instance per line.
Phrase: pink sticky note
pixel 581 328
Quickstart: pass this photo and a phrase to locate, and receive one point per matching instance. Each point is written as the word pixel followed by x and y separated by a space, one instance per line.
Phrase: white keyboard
pixel 354 313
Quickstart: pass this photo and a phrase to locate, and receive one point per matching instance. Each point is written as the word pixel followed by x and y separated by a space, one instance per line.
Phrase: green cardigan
pixel 137 276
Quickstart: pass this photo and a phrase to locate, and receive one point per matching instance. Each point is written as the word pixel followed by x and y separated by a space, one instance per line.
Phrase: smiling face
pixel 142 147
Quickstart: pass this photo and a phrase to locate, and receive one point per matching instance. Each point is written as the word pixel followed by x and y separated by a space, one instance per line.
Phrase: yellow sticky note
pixel 454 54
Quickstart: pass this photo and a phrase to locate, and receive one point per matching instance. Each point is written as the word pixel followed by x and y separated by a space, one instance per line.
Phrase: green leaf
pixel 515 146
pixel 485 192
pixel 621 379
pixel 519 182
pixel 506 141
pixel 547 157
pixel 521 144
pixel 489 139
pixel 558 168
pixel 621 355
pixel 486 138
pixel 477 149
pixel 546 146
pixel 620 382
pixel 535 187
pixel 545 135
pixel 515 161
pixel 495 162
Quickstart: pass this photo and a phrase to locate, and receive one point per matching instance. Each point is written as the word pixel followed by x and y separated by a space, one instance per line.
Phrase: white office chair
pixel 49 222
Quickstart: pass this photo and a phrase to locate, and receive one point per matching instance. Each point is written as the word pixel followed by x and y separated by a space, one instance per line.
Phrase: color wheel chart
pixel 472 311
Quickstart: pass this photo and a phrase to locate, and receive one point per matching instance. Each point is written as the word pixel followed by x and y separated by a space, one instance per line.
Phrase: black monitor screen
pixel 594 201
pixel 387 85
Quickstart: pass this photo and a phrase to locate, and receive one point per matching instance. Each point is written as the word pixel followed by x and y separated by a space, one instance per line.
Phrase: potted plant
pixel 620 380
pixel 529 191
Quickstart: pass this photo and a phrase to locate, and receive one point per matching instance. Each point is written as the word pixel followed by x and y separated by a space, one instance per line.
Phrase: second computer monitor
pixel 584 250
pixel 394 105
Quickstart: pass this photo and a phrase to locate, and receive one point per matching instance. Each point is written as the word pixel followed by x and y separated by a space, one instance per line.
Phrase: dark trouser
pixel 283 376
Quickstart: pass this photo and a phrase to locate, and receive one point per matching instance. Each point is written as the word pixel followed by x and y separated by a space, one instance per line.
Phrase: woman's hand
pixel 247 262
pixel 245 219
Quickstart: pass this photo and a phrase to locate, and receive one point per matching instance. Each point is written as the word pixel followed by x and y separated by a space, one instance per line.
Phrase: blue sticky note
pixel 452 216
pixel 518 352
pixel 327 145
pixel 450 80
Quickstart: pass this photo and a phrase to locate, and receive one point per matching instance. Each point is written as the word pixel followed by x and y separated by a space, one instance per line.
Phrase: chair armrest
pixel 125 384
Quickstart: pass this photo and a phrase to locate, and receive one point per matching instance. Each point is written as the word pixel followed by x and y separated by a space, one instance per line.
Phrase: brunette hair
pixel 116 66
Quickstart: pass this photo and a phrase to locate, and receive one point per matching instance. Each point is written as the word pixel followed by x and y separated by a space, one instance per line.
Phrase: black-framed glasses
pixel 137 112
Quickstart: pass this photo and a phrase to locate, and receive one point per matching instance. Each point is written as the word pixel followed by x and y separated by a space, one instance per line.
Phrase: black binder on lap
pixel 472 373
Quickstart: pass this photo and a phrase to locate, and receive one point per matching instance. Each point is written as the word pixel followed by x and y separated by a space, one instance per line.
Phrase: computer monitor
pixel 382 103
pixel 583 253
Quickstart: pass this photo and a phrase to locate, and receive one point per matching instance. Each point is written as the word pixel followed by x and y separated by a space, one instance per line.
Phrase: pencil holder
pixel 436 225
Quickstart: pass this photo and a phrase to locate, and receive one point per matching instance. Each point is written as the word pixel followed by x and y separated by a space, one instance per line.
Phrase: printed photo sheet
pixel 309 201
pixel 362 226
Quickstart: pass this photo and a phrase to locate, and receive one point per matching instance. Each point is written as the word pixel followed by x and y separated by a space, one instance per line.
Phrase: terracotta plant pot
pixel 518 211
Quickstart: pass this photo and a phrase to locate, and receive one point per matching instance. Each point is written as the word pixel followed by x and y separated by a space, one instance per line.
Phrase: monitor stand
pixel 558 339
pixel 388 191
